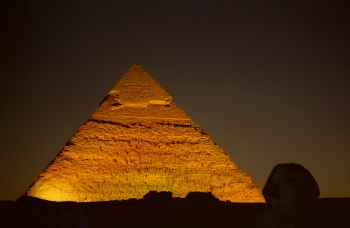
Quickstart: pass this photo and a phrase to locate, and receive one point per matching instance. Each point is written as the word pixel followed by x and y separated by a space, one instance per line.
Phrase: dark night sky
pixel 269 81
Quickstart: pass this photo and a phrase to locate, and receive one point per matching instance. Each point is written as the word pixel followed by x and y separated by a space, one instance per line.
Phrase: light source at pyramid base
pixel 138 141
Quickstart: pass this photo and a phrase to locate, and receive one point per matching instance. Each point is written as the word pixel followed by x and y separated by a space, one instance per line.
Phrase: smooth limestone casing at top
pixel 138 141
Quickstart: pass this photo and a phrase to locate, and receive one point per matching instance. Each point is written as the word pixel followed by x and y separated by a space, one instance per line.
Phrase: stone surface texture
pixel 138 141
pixel 290 184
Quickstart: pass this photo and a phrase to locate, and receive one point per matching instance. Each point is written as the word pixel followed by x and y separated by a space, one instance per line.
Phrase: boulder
pixel 290 184
pixel 158 196
pixel 201 197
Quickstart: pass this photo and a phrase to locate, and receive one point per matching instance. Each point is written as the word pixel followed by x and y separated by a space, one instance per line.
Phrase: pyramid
pixel 138 141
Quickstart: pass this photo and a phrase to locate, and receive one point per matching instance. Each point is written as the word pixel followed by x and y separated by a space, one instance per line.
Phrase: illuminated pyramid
pixel 138 141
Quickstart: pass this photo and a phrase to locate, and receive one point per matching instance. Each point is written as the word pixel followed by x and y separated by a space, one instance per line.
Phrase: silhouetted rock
pixel 290 184
pixel 7 212
pixel 158 196
pixel 197 210
pixel 201 197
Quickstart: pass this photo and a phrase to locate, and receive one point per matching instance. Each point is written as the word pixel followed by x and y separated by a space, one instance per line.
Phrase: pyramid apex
pixel 138 88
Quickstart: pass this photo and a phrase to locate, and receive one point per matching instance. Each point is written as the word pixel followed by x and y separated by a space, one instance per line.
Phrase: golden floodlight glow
pixel 53 192
pixel 138 141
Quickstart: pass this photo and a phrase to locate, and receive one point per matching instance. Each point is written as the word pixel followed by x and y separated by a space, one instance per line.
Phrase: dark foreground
pixel 160 210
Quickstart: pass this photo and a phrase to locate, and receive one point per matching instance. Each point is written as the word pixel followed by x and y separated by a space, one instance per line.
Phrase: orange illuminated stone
pixel 138 141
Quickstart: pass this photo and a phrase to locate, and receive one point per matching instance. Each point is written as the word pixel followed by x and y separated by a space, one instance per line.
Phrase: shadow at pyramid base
pixel 160 210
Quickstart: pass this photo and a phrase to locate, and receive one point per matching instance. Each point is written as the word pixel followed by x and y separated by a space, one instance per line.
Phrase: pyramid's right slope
pixel 138 141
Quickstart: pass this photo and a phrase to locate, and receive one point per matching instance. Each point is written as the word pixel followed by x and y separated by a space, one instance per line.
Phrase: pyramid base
pixel 163 211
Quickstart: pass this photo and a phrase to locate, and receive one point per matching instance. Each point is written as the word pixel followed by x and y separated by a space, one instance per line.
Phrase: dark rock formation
pixel 156 209
pixel 290 185
pixel 291 195
pixel 201 197
pixel 200 210
pixel 158 196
